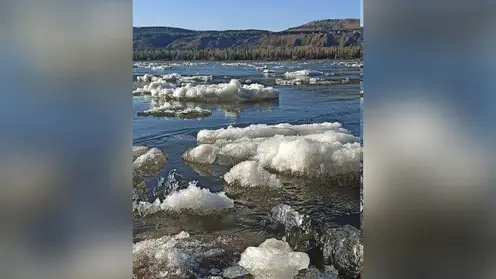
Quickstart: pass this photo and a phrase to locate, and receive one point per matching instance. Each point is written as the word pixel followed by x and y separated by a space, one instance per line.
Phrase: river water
pixel 297 104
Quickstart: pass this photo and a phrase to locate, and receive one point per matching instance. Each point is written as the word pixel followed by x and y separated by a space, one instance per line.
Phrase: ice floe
pixel 312 150
pixel 302 73
pixel 254 131
pixel 174 77
pixel 273 259
pixel 308 80
pixel 251 174
pixel 178 112
pixel 233 91
pixel 192 198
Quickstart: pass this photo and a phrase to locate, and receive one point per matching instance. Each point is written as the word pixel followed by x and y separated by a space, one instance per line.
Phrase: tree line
pixel 257 53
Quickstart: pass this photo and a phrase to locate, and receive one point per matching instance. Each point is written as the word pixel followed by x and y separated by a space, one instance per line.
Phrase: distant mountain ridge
pixel 320 33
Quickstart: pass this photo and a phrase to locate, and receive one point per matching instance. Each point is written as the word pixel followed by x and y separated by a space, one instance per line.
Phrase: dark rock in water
pixel 150 163
pixel 235 271
pixel 328 272
pixel 340 247
pixel 301 233
pixel 290 218
pixel 139 150
pixel 215 271
pixel 343 248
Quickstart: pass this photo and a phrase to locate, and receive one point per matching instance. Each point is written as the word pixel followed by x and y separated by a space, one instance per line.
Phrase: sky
pixel 273 15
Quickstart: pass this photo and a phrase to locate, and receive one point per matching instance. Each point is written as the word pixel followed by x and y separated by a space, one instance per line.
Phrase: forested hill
pixel 322 39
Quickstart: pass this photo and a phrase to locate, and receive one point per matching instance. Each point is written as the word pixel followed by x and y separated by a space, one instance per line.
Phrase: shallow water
pixel 297 105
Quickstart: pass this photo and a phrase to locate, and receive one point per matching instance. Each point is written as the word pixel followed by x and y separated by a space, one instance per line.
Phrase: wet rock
pixel 235 271
pixel 214 271
pixel 343 248
pixel 328 272
pixel 150 163
pixel 176 256
pixel 289 218
pixel 139 150
pixel 298 229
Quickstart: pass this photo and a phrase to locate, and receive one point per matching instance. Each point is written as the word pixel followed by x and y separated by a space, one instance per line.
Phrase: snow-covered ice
pixel 302 73
pixel 232 133
pixel 313 150
pixel 192 198
pixel 233 91
pixel 273 259
pixel 251 174
pixel 179 112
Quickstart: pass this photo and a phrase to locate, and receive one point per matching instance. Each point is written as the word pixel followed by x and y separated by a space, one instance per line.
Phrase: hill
pixel 324 38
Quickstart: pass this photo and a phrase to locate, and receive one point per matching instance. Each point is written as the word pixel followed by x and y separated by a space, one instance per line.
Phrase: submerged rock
pixel 328 272
pixel 235 271
pixel 150 162
pixel 273 259
pixel 343 248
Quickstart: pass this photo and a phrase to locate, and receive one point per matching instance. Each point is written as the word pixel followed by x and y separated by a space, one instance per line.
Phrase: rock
pixel 273 259
pixel 343 248
pixel 297 228
pixel 149 163
pixel 235 271
pixel 289 218
pixel 139 150
pixel 214 277
pixel 214 271
pixel 312 272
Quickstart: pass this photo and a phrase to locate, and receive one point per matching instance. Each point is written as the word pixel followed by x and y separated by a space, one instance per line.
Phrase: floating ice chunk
pixel 264 131
pixel 251 174
pixel 202 154
pixel 296 81
pixel 302 73
pixel 192 198
pixel 273 259
pixel 311 156
pixel 187 113
pixel 196 198
pixel 313 150
pixel 304 80
pixel 232 91
pixel 150 162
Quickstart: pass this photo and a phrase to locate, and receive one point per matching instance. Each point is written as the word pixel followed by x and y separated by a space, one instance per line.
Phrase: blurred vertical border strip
pixel 66 139
pixel 429 134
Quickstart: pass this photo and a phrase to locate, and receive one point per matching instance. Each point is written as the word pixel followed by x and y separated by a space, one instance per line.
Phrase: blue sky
pixel 274 15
